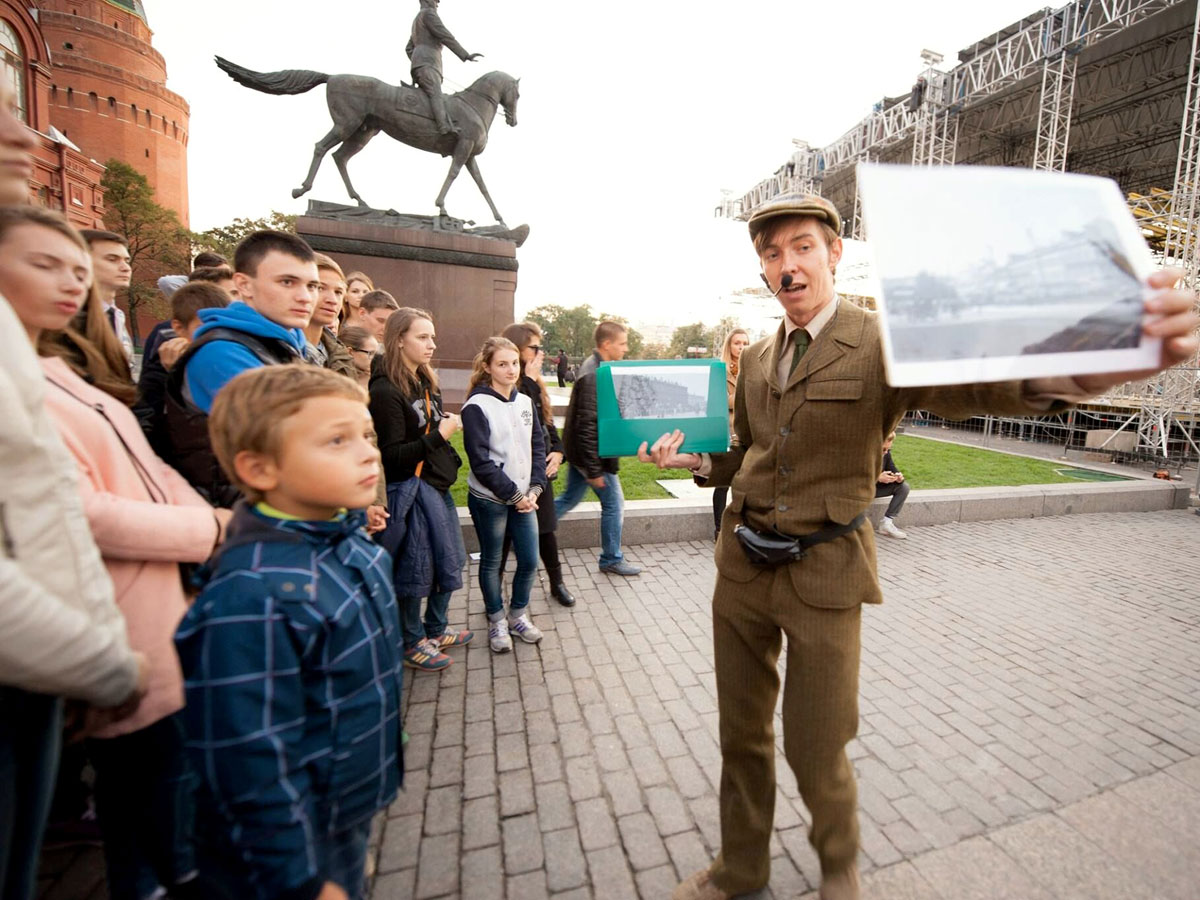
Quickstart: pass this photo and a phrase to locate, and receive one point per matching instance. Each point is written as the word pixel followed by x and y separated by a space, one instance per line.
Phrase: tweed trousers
pixel 820 716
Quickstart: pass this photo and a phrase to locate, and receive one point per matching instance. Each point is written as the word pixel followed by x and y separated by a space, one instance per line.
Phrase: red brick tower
pixel 108 92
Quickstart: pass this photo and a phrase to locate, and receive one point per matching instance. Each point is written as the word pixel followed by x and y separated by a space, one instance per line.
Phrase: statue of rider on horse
pixel 456 125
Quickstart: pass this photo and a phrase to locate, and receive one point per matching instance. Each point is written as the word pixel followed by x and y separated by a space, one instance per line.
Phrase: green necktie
pixel 801 340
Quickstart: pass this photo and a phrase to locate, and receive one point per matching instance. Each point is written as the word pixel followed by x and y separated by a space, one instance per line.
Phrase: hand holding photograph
pixel 639 401
pixel 990 274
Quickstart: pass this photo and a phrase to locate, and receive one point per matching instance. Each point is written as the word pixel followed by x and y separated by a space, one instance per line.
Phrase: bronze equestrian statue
pixel 361 107
pixel 424 51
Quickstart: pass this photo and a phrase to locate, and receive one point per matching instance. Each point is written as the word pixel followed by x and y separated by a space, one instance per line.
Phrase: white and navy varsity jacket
pixel 504 444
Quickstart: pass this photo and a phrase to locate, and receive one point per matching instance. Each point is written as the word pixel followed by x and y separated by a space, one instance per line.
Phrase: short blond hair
pixel 249 412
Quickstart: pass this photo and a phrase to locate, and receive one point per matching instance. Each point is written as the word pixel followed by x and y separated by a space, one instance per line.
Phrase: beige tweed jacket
pixel 808 453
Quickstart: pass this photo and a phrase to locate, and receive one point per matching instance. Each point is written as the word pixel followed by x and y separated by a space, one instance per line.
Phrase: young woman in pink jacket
pixel 146 520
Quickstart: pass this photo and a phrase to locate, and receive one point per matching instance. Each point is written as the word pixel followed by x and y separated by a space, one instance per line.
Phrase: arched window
pixel 12 58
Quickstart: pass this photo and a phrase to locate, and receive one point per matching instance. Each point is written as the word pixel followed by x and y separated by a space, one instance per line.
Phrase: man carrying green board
pixel 587 468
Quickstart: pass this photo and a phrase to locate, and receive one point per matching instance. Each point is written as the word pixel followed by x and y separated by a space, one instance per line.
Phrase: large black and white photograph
pixel 995 273
pixel 662 392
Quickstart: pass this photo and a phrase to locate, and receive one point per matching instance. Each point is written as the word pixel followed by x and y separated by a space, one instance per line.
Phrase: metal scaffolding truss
pixel 801 174
pixel 935 134
pixel 991 67
pixel 1181 241
pixel 1054 114
pixel 1114 82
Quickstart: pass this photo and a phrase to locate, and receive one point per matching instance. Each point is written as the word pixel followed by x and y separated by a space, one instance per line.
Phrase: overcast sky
pixel 632 118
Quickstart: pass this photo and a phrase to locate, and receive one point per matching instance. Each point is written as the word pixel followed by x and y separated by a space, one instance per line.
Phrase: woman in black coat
pixel 531 343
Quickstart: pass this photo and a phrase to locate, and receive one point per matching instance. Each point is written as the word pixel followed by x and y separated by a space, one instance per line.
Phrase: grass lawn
pixel 639 480
pixel 930 464
pixel 926 464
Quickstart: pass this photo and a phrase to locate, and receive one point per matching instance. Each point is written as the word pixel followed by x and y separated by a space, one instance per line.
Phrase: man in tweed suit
pixel 811 411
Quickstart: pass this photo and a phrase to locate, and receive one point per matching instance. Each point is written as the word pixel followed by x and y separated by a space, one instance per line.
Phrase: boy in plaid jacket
pixel 291 653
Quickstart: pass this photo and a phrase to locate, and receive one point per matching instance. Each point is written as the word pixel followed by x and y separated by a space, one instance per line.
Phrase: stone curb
pixel 665 521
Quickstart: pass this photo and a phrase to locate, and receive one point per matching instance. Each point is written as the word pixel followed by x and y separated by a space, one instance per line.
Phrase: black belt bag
pixel 770 548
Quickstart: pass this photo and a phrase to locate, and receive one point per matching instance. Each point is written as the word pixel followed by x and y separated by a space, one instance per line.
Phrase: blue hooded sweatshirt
pixel 215 364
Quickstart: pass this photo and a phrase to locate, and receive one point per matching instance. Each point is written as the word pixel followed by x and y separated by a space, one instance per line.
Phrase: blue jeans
pixel 612 510
pixel 491 521
pixel 434 625
pixel 145 804
pixel 30 729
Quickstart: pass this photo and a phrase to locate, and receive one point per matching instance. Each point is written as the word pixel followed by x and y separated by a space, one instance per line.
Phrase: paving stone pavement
pixel 1030 700
pixel 1030 728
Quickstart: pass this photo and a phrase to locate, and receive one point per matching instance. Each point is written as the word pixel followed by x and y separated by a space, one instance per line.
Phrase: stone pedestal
pixel 467 282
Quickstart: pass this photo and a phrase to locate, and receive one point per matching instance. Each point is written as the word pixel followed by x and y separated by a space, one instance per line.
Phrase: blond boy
pixel 291 652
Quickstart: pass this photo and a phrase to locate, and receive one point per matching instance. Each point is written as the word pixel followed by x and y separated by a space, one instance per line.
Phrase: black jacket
pixel 581 436
pixel 888 465
pixel 533 391
pixel 403 443
pixel 188 446
pixel 150 407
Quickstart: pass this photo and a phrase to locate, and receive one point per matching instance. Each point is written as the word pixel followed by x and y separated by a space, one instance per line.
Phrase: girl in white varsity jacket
pixel 503 439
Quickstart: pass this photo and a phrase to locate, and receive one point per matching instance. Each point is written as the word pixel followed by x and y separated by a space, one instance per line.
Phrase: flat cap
pixel 795 205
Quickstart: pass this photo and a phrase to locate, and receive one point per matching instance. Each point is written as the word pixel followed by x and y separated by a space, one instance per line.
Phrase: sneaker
pixel 451 638
pixel 888 527
pixel 498 638
pixel 523 628
pixel 426 657
pixel 621 568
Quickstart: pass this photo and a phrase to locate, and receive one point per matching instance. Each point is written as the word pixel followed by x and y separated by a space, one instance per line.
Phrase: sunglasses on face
pixel 536 348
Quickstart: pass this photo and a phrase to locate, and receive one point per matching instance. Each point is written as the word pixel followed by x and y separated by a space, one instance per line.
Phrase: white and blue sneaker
pixel 523 628
pixel 498 638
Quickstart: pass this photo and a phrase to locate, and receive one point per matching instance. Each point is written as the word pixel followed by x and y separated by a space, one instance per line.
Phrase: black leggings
pixel 720 495
pixel 547 550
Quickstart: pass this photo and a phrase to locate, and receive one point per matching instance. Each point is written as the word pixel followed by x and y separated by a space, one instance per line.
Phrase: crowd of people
pixel 212 576
pixel 220 555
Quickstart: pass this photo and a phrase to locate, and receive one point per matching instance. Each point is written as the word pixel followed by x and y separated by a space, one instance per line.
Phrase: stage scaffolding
pixel 1108 87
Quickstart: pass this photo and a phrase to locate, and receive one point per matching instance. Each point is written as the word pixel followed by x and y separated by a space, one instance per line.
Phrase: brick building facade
pixel 108 95
pixel 64 178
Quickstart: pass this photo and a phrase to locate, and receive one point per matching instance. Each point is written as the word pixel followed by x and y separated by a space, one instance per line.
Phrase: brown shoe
pixel 699 887
pixel 842 886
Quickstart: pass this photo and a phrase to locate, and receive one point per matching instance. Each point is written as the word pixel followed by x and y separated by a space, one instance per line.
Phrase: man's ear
pixel 179 328
pixel 242 282
pixel 256 470
pixel 835 253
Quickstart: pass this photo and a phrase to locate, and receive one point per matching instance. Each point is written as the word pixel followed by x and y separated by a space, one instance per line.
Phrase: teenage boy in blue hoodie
pixel 275 274
pixel 292 652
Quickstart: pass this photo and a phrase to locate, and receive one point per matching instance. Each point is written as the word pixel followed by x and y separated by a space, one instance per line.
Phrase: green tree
pixel 655 351
pixel 158 243
pixel 224 239
pixel 694 335
pixel 570 329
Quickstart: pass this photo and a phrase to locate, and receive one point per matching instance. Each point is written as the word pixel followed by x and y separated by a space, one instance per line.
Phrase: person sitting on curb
pixel 891 483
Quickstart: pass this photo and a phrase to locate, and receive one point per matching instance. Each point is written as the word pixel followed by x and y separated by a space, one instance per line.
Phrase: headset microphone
pixel 784 282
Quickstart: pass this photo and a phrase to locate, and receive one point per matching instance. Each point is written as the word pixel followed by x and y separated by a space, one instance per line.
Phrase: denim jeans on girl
pixel 434 625
pixel 491 521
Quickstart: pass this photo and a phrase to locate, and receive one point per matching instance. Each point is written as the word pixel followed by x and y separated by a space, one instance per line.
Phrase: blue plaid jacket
pixel 292 667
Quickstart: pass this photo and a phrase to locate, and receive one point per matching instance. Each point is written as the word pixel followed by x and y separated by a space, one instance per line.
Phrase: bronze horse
pixel 361 107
